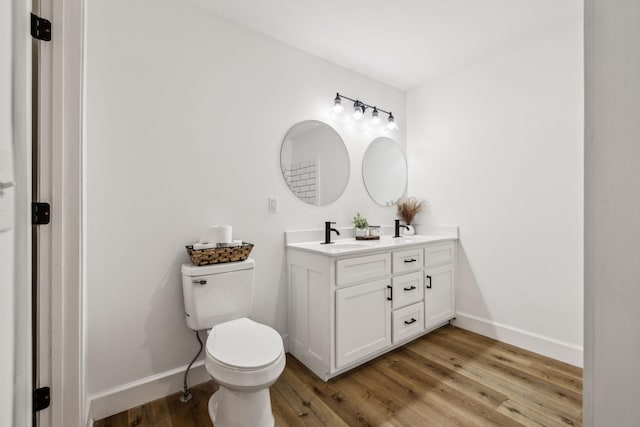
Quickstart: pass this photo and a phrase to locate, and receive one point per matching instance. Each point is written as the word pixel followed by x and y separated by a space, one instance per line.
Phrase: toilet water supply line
pixel 186 396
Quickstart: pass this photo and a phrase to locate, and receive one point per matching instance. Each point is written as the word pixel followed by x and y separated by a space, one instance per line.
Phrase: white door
pixel 15 219
pixel 363 320
pixel 438 295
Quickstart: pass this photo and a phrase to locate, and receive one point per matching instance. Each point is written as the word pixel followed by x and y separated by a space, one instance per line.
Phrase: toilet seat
pixel 243 353
pixel 244 344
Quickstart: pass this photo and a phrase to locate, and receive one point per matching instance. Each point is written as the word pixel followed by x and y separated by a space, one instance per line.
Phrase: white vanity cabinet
pixel 347 307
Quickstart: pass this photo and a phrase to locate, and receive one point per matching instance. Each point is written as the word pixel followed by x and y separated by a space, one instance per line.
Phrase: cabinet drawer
pixel 407 322
pixel 407 289
pixel 408 260
pixel 439 254
pixel 362 268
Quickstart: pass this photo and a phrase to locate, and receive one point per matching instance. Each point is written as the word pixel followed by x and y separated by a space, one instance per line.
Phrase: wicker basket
pixel 219 255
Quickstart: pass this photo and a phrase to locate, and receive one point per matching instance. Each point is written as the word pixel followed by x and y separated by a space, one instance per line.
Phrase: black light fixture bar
pixel 339 95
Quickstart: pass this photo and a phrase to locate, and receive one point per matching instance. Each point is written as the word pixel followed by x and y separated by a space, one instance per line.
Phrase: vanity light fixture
pixel 359 109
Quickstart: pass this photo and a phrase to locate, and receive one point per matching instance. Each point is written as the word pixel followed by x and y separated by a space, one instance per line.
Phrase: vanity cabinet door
pixel 438 295
pixel 363 321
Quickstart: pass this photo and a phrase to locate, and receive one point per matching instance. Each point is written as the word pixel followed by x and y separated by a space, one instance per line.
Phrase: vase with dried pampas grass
pixel 408 209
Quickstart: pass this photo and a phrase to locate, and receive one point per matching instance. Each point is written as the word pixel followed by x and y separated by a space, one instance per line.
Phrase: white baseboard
pixel 565 352
pixel 136 393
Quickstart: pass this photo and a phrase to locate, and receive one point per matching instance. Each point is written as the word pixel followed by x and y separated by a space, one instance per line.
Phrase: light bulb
pixel 358 111
pixel 392 122
pixel 375 118
pixel 337 105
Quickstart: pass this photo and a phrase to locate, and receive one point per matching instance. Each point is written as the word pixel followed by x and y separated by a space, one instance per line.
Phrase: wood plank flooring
pixel 450 377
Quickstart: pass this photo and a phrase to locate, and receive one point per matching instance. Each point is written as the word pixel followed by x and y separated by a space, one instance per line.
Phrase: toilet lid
pixel 244 344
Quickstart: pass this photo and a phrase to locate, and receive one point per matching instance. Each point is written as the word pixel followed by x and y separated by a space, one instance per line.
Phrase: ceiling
pixel 404 43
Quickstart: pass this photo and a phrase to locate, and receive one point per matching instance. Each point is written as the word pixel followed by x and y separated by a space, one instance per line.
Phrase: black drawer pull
pixel 199 282
pixel 390 298
pixel 410 260
pixel 429 285
pixel 408 322
pixel 410 289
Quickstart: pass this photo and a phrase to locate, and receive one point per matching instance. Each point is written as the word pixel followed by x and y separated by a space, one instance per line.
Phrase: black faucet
pixel 327 232
pixel 398 225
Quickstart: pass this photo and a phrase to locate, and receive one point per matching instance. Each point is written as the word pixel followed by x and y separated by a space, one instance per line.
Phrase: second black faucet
pixel 398 225
pixel 327 232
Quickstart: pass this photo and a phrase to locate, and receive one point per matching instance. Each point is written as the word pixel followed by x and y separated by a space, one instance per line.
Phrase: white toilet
pixel 244 357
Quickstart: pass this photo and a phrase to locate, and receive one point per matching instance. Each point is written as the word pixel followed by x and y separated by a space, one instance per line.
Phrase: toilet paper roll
pixel 217 234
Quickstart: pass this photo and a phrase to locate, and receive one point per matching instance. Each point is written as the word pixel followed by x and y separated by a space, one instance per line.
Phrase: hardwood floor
pixel 450 377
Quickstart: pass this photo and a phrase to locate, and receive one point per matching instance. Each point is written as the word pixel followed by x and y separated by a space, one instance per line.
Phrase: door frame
pixel 41 191
pixel 61 91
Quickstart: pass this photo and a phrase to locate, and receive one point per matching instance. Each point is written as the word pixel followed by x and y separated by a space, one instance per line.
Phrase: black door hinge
pixel 40 28
pixel 40 213
pixel 41 398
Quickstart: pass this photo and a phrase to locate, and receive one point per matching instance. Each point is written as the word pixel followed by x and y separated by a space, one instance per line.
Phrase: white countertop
pixel 352 246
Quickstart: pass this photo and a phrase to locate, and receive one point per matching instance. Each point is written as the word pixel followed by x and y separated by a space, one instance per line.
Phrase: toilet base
pixel 241 408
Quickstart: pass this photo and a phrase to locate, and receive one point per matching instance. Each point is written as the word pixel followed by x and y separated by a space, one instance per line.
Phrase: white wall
pixel 496 147
pixel 612 213
pixel 185 116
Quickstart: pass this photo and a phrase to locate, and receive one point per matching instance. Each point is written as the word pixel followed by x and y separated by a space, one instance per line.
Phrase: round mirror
pixel 384 171
pixel 314 162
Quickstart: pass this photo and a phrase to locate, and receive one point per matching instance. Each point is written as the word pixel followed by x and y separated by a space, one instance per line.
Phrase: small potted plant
pixel 361 224
pixel 407 211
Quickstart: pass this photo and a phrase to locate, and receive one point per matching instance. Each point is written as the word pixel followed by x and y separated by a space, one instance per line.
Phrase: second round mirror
pixel 384 171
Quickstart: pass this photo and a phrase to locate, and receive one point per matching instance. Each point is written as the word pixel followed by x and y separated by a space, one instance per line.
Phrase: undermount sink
pixel 408 239
pixel 349 245
pixel 345 246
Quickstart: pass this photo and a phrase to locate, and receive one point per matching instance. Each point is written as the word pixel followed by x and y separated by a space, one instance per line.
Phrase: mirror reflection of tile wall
pixel 302 179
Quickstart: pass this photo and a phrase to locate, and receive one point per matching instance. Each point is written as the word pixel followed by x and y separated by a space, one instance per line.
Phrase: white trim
pixel 136 393
pixel 67 285
pixel 44 176
pixel 559 350
pixel 591 201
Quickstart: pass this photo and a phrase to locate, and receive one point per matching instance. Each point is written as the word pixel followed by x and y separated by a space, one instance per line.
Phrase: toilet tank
pixel 217 293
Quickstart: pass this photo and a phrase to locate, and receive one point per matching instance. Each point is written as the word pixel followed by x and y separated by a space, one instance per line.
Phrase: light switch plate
pixel 273 204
